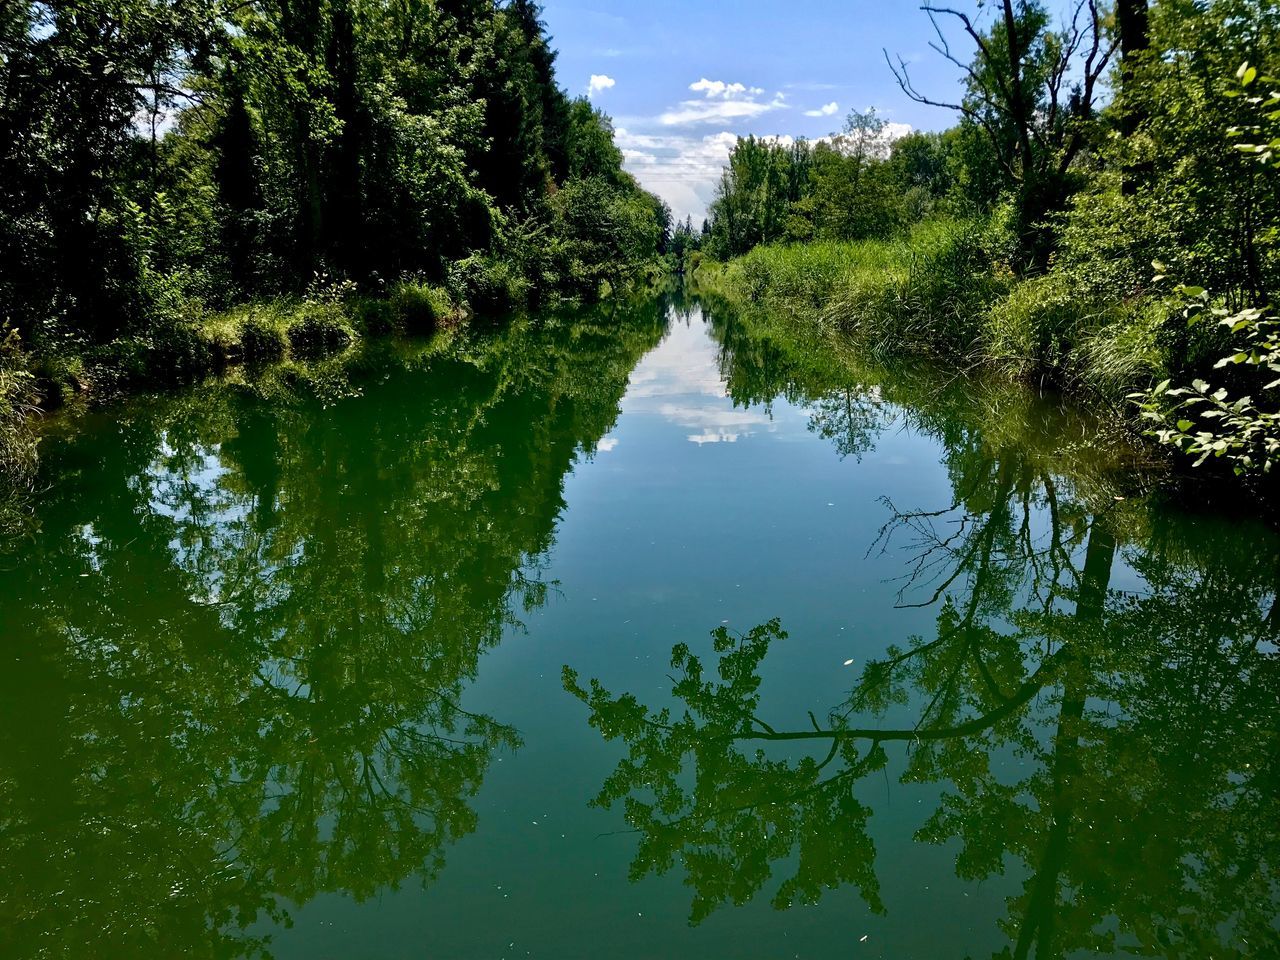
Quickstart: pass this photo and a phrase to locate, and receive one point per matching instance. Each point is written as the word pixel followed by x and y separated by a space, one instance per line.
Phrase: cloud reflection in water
pixel 680 381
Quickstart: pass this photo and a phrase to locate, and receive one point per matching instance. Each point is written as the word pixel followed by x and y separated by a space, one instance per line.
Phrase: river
pixel 641 632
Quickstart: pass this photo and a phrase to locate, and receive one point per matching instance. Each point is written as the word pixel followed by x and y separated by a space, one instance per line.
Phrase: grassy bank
pixel 192 343
pixel 945 289
pixel 286 344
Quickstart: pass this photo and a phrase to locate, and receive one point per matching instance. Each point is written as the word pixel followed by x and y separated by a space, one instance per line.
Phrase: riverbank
pixel 321 323
pixel 287 336
pixel 942 292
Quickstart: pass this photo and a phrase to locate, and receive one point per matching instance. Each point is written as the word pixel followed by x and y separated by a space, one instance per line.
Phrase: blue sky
pixel 683 79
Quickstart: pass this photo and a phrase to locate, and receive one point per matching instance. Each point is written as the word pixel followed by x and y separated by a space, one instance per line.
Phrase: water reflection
pixel 241 648
pixel 1098 703
pixel 1141 803
pixel 681 382
pixel 237 649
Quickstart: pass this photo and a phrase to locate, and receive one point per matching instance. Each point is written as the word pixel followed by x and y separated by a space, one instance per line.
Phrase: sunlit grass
pixel 941 290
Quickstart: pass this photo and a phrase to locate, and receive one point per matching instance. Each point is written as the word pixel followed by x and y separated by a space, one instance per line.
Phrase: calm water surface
pixel 639 636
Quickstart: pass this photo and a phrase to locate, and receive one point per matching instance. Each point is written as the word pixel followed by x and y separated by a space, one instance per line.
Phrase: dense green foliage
pixel 855 186
pixel 1208 422
pixel 163 162
pixel 1085 151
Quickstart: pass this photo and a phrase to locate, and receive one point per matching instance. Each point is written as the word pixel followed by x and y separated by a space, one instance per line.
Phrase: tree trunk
pixel 1135 39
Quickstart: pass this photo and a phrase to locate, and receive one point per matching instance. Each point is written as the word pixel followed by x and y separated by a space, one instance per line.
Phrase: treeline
pixel 1108 175
pixel 162 161
pixel 855 185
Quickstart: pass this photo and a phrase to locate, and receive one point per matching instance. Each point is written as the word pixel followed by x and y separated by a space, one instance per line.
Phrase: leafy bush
pixel 175 351
pixel 318 329
pixel 487 285
pixel 606 233
pixel 17 400
pixel 1204 421
pixel 261 341
pixel 420 308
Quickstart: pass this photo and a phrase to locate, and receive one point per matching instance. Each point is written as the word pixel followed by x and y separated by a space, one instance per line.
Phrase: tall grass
pixel 17 400
pixel 943 290
pixel 922 292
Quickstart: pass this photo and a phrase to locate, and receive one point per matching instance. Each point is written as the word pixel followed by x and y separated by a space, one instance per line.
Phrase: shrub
pixel 420 308
pixel 222 334
pixel 1206 422
pixel 487 285
pixel 175 351
pixel 261 341
pixel 59 377
pixel 317 329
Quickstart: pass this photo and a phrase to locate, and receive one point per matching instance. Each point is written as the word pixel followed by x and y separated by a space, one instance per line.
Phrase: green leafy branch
pixel 1201 420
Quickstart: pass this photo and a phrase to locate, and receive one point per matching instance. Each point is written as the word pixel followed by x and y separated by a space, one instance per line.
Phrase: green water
pixel 372 662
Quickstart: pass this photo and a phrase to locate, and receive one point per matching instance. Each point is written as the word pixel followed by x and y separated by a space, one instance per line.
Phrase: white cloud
pixel 680 382
pixel 682 166
pixel 826 110
pixel 599 81
pixel 682 169
pixel 693 112
pixel 712 89
pixel 721 103
pixel 607 444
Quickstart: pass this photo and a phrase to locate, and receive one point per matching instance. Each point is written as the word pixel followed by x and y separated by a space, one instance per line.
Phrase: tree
pixel 73 76
pixel 1134 27
pixel 162 159
pixel 851 194
pixel 1019 91
pixel 757 190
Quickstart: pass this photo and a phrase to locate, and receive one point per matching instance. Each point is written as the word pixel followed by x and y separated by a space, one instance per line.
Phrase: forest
pixel 1103 216
pixel 187 183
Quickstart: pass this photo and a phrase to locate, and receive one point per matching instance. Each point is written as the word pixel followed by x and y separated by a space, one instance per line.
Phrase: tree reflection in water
pixel 1143 801
pixel 238 646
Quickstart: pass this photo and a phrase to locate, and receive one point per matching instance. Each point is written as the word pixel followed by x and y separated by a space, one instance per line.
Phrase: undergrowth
pixel 945 290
